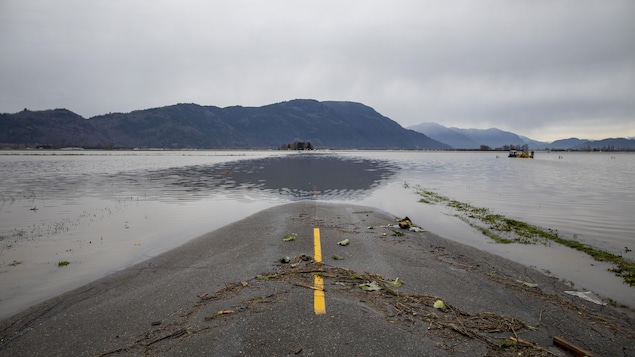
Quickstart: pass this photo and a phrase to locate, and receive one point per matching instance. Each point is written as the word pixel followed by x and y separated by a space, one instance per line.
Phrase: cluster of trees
pixel 297 145
pixel 603 148
pixel 506 148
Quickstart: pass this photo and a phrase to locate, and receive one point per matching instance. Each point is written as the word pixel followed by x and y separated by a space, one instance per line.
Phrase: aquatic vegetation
pixel 623 267
pixel 495 226
pixel 507 230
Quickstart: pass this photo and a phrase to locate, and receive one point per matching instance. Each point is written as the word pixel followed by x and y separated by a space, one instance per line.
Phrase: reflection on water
pixel 104 211
pixel 298 177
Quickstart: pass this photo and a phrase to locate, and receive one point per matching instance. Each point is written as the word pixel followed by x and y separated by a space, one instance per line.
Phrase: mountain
pixel 336 125
pixel 566 144
pixel 449 136
pixel 61 126
pixel 575 144
pixel 496 138
pixel 468 138
pixel 534 144
pixel 609 144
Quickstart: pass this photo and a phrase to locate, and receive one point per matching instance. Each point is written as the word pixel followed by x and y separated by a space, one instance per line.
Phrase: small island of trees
pixel 297 145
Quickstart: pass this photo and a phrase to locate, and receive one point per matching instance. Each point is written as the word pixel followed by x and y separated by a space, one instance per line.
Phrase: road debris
pixel 372 286
pixel 289 237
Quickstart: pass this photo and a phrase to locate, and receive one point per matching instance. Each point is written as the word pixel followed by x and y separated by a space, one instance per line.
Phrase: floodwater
pixel 103 211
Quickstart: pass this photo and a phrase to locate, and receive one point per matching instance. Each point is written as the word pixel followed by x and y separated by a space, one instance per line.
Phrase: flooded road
pixel 103 211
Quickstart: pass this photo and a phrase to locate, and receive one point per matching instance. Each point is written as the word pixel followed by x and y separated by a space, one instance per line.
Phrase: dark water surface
pixel 302 176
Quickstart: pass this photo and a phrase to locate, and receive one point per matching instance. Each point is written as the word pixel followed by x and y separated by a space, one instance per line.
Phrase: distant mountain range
pixel 334 125
pixel 476 139
pixel 329 124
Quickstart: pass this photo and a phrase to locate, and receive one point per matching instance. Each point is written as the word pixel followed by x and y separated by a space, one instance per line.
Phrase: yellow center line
pixel 319 303
pixel 317 245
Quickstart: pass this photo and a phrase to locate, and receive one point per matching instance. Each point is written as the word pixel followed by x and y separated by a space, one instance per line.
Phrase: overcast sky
pixel 546 69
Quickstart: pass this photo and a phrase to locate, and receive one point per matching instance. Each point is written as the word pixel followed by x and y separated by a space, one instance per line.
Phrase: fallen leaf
pixel 397 282
pixel 531 285
pixel 372 286
pixel 439 304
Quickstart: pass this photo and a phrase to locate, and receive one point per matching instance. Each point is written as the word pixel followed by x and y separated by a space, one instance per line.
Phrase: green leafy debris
pixel 396 282
pixel 344 242
pixel 531 285
pixel 289 237
pixel 372 286
pixel 62 263
pixel 439 304
pixel 506 344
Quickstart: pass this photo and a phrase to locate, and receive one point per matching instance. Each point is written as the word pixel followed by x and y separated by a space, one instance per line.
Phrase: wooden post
pixel 570 347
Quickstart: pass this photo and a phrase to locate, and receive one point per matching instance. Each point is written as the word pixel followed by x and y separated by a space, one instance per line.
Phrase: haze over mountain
pixel 335 125
pixel 475 139
pixel 609 144
pixel 469 138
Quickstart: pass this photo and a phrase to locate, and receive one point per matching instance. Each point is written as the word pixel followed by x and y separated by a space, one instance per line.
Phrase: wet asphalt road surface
pixel 228 294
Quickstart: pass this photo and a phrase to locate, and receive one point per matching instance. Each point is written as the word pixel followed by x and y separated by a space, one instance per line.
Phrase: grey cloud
pixel 465 63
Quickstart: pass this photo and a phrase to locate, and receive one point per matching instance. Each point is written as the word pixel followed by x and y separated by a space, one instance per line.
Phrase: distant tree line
pixel 609 148
pixel 297 145
pixel 505 148
pixel 515 147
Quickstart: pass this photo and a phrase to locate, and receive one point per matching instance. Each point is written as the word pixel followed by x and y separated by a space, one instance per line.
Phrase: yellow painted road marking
pixel 319 303
pixel 317 245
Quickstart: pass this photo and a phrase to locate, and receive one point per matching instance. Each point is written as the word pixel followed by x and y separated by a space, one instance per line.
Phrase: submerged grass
pixel 506 230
